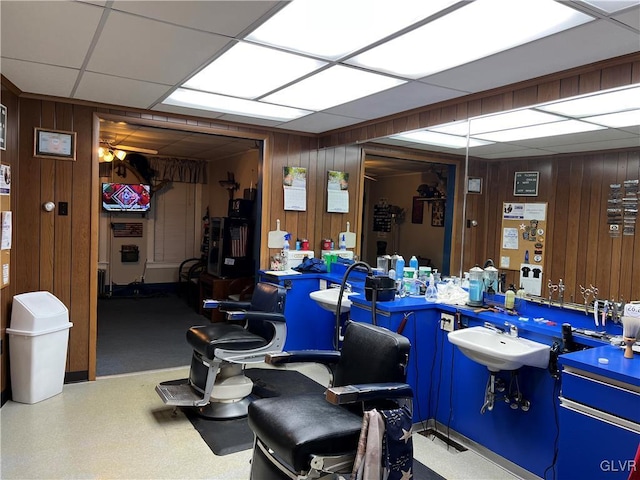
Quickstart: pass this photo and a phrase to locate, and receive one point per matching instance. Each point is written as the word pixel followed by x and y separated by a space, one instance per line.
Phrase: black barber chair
pixel 217 386
pixel 316 436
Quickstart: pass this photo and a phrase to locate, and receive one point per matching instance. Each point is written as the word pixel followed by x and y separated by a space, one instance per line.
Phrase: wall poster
pixel 294 181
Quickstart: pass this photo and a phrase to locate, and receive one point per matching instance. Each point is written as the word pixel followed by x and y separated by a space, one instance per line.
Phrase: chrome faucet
pixel 491 326
pixel 513 330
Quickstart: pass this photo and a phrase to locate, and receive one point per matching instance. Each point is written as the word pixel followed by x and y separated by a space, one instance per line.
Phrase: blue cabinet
pixel 309 327
pixel 599 415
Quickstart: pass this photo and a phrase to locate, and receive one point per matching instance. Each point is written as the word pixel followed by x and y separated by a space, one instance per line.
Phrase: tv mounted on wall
pixel 124 197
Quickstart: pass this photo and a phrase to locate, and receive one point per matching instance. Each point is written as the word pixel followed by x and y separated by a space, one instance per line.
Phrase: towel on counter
pixel 314 265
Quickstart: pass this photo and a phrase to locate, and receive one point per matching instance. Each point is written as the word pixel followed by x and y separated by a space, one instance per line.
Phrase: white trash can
pixel 38 340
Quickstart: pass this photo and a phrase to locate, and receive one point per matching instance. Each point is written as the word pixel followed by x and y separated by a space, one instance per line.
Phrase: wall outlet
pixel 446 322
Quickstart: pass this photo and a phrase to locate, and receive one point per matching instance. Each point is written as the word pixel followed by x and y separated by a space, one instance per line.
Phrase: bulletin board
pixel 523 234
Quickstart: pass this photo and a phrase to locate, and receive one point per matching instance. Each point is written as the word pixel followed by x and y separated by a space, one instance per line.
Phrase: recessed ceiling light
pixel 476 30
pixel 539 131
pixel 238 106
pixel 330 87
pixel 440 139
pixel 629 118
pixel 500 121
pixel 248 71
pixel 332 29
pixel 597 103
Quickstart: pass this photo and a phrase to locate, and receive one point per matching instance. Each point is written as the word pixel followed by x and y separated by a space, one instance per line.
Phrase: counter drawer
pixel 617 398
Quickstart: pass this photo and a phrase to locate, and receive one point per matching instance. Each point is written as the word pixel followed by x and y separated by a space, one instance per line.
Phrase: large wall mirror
pixel 578 159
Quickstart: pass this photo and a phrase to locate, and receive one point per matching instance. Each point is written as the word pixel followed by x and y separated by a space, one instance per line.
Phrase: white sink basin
pixel 499 351
pixel 328 299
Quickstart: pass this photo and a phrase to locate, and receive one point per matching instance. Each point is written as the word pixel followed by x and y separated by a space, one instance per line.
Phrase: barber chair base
pixel 226 410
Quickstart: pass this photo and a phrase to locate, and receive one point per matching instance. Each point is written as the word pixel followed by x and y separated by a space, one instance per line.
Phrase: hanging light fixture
pixel 108 153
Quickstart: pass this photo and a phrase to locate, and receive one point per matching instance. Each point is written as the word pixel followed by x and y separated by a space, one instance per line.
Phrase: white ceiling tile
pixel 118 91
pixel 134 47
pixel 594 146
pixel 530 152
pixel 630 17
pixel 224 17
pixel 394 100
pixel 163 107
pixel 29 75
pixel 39 31
pixel 319 122
pixel 249 120
pixel 582 45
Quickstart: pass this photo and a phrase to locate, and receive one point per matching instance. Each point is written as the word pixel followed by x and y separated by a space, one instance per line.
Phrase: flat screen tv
pixel 124 197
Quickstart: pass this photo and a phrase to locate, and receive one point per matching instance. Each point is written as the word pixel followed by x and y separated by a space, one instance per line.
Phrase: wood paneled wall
pixel 578 247
pixel 315 223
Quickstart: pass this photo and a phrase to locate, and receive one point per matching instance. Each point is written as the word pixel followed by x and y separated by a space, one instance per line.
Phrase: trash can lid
pixel 34 311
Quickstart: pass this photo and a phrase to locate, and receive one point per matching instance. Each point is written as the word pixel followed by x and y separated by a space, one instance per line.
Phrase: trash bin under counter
pixel 38 340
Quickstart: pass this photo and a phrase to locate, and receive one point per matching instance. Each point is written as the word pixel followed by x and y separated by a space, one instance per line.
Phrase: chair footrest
pixel 181 395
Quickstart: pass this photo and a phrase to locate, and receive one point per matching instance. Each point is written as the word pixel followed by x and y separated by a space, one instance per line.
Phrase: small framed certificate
pixel 56 144
pixel 474 185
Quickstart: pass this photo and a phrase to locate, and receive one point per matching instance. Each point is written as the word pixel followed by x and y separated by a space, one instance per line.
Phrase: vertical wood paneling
pixel 47 191
pixel 28 206
pixel 83 214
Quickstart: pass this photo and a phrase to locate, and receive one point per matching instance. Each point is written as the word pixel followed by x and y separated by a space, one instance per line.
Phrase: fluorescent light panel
pixel 249 71
pixel 476 30
pixel 501 121
pixel 597 103
pixel 331 29
pixel 219 103
pixel 441 139
pixel 330 87
pixel 540 131
pixel 629 118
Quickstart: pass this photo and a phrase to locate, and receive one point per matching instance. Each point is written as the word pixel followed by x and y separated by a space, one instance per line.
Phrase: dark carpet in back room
pixel 143 333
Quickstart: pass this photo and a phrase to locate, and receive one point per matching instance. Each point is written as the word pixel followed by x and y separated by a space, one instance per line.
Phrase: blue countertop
pixel 625 370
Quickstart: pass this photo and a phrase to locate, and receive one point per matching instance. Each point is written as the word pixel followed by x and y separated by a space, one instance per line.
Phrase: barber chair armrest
pixel 367 392
pixel 233 305
pixel 324 357
pixel 267 316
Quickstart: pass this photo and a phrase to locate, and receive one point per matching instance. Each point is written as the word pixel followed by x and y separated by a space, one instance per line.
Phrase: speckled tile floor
pixel 118 428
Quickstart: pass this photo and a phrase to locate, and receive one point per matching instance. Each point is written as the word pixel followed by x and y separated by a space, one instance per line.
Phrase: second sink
pixel 328 299
pixel 499 351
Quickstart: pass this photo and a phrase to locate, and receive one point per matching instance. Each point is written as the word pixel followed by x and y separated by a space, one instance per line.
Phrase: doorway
pixel 140 321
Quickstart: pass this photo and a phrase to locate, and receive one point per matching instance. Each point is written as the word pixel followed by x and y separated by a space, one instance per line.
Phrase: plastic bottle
pixel 399 273
pixel 510 298
pixel 400 265
pixel 431 294
pixel 343 242
pixel 413 263
pixel 285 252
pixel 521 292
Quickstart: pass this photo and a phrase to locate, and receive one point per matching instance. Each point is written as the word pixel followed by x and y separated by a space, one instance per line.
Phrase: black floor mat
pixel 224 437
pixel 229 436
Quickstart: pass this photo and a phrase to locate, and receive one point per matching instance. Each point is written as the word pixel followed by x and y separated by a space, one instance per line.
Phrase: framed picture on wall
pixel 55 144
pixel 437 214
pixel 3 127
pixel 474 185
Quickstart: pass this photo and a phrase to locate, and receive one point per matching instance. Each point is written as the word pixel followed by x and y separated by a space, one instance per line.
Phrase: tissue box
pixel 632 310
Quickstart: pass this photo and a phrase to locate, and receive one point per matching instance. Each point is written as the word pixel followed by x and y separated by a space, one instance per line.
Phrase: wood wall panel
pixel 578 246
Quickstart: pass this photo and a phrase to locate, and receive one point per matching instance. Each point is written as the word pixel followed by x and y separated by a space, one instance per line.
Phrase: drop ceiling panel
pixel 118 91
pixel 319 122
pixel 250 120
pixel 588 43
pixel 631 18
pixel 29 75
pixel 162 107
pixel 224 17
pixel 142 49
pixel 595 146
pixel 35 31
pixel 398 99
